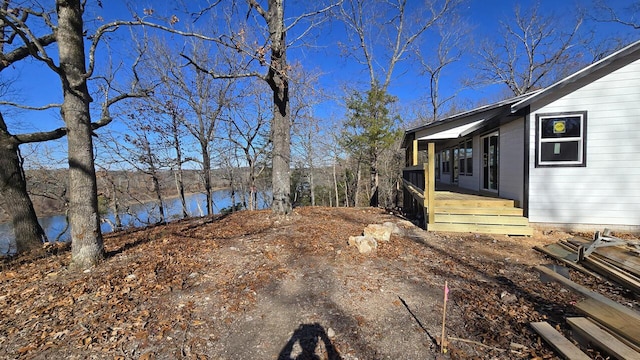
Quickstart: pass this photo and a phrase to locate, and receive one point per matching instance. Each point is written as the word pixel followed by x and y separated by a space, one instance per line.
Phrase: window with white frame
pixel 561 139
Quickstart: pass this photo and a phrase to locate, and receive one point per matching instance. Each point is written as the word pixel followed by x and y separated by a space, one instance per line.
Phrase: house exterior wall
pixel 511 157
pixel 607 190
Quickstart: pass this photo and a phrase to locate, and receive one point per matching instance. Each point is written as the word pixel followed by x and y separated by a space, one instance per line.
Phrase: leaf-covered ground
pixel 252 286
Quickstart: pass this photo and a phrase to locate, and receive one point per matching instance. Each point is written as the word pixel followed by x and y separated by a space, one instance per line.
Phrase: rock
pixel 378 232
pixel 331 333
pixel 395 229
pixel 365 243
pixel 508 298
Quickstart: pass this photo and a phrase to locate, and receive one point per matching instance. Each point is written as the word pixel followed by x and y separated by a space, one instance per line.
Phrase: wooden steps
pixel 458 212
pixel 476 214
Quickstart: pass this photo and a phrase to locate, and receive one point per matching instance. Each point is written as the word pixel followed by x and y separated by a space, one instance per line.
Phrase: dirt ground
pixel 251 286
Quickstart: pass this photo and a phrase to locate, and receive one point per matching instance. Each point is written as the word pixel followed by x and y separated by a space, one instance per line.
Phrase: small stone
pixel 508 298
pixel 331 333
pixel 395 229
pixel 378 232
pixel 130 277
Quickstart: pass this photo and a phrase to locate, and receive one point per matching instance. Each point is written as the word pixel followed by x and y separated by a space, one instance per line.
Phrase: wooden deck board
pixel 602 339
pixel 558 342
pixel 481 219
pixel 482 229
pixel 619 322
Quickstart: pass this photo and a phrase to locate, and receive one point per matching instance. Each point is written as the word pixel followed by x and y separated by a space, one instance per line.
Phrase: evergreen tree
pixel 369 130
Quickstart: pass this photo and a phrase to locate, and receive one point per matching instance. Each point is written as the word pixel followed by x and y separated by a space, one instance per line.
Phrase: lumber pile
pixel 620 264
pixel 607 325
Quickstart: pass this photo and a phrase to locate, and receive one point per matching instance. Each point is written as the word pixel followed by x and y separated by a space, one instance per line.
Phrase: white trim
pixel 456 132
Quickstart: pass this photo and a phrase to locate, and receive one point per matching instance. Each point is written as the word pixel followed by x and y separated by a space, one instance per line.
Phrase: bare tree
pixel 13 187
pixel 247 130
pixel 453 40
pixel 87 246
pixel 277 77
pixel 194 98
pixel 533 52
pixel 385 32
pixel 627 16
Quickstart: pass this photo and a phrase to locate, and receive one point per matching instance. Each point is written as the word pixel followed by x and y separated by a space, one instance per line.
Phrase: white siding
pixel 607 190
pixel 511 170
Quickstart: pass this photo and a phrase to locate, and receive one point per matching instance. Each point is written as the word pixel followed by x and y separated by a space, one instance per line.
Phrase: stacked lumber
pixel 607 325
pixel 616 263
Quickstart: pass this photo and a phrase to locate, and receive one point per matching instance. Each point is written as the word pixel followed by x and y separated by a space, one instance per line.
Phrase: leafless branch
pixel 33 45
pixel 215 75
pixel 27 107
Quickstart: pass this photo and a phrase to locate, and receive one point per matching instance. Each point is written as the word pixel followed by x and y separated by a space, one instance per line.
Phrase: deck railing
pixel 419 180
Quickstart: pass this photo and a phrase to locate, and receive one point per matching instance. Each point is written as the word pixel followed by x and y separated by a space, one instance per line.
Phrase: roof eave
pixel 627 53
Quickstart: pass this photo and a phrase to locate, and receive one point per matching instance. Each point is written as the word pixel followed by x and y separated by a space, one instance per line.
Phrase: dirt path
pixel 249 286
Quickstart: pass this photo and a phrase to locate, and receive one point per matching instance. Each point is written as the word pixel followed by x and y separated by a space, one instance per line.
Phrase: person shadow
pixel 307 337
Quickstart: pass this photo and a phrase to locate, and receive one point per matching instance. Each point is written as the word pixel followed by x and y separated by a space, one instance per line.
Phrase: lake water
pixel 144 214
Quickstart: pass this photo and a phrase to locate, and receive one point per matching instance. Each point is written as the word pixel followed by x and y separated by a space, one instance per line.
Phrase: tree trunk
pixel 87 247
pixel 206 174
pixel 281 124
pixel 346 192
pixel 13 187
pixel 180 187
pixel 116 206
pixel 179 175
pixel 335 184
pixel 313 195
pixel 356 201
pixel 156 189
pixel 373 184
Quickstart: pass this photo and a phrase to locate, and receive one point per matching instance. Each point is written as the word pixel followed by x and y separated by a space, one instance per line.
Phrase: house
pixel 567 156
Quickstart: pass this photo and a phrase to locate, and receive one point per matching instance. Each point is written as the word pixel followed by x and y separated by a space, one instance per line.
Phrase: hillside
pixel 250 286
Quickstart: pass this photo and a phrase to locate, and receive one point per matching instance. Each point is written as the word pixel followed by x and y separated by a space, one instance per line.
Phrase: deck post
pixel 430 182
pixel 414 160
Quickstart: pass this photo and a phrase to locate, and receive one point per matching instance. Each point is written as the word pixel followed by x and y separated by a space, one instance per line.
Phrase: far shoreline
pixel 5 218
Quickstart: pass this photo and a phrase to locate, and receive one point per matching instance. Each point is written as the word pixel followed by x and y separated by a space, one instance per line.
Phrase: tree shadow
pixel 307 337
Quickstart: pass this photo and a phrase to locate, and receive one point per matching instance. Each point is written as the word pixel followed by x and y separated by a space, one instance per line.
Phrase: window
pixel 466 157
pixel 561 139
pixel 445 160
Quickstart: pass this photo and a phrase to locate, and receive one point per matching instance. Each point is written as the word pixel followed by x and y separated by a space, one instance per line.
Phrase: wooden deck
pixel 453 209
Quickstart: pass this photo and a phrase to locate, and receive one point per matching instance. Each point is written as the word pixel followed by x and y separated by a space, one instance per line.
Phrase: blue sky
pixel 36 85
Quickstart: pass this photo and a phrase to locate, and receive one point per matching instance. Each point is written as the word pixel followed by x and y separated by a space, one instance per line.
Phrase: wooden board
pixel 621 277
pixel 482 219
pixel 505 211
pixel 565 256
pixel 615 320
pixel 603 301
pixel 415 191
pixel 602 339
pixel 617 254
pixel 608 268
pixel 482 229
pixel 558 342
